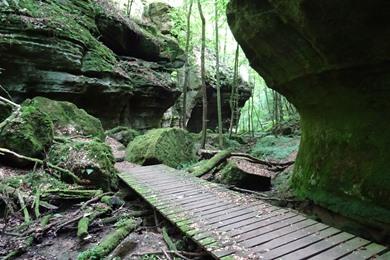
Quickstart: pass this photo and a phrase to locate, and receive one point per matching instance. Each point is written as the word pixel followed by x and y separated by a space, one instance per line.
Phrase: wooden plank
pixel 297 244
pixel 342 249
pixel 259 235
pixel 366 252
pixel 320 246
pixel 290 237
pixel 263 219
pixel 244 223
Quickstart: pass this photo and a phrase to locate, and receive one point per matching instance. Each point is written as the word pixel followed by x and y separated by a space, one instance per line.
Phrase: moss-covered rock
pixel 170 146
pixel 88 159
pixel 234 174
pixel 68 120
pixel 28 131
pixel 123 134
pixel 340 88
pixel 71 54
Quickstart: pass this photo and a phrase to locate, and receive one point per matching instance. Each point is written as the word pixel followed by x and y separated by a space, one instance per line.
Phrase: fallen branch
pixel 207 166
pixel 111 241
pixel 24 208
pixel 168 240
pixel 8 101
pixel 247 156
pixel 43 163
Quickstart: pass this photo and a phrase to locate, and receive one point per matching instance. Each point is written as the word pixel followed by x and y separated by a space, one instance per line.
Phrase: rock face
pixel 194 95
pixel 84 52
pixel 331 60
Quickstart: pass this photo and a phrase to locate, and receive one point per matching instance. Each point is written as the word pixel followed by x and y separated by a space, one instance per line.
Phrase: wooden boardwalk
pixel 230 225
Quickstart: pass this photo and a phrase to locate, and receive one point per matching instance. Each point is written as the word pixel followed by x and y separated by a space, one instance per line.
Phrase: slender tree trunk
pixel 233 92
pixel 225 45
pixel 129 5
pixel 186 66
pixel 219 102
pixel 203 75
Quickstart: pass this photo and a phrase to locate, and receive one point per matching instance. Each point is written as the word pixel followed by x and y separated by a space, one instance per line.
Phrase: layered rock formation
pixel 331 60
pixel 84 52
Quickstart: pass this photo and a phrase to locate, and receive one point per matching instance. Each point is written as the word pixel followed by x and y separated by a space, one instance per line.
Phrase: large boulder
pixel 68 120
pixel 27 131
pixel 73 51
pixel 87 158
pixel 169 146
pixel 330 59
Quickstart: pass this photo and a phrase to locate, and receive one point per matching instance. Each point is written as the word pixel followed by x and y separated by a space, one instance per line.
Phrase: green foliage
pixel 170 146
pixel 178 16
pixel 275 148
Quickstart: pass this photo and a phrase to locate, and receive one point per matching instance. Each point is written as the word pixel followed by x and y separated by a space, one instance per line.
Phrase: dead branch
pixel 43 163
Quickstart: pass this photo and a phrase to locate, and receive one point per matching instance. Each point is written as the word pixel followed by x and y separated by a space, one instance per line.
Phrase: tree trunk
pixel 203 75
pixel 233 92
pixel 129 5
pixel 219 102
pixel 186 66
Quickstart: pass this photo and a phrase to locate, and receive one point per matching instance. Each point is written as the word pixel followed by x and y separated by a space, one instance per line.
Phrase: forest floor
pixel 147 241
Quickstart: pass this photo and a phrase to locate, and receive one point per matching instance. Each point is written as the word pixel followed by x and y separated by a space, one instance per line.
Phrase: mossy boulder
pixel 233 173
pixel 169 146
pixel 68 119
pixel 28 131
pixel 89 159
pixel 123 134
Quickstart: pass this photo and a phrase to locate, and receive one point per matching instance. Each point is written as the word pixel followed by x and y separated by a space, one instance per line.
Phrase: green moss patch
pixel 275 148
pixel 28 131
pixel 170 146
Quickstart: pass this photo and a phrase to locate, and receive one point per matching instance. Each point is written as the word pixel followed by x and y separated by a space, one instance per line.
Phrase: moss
pixel 230 174
pixel 109 242
pixel 88 159
pixel 207 165
pixel 275 148
pixel 170 146
pixel 70 20
pixel 28 131
pixel 123 134
pixel 68 119
pixel 34 180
